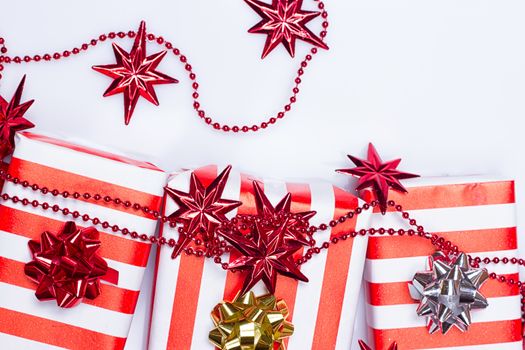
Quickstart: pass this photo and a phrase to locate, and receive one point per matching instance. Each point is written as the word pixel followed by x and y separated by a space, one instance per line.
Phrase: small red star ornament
pixel 12 119
pixel 201 210
pixel 363 346
pixel 264 254
pixel 295 224
pixel 283 22
pixel 379 175
pixel 135 73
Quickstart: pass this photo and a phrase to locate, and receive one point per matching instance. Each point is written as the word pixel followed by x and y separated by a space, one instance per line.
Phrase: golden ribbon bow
pixel 251 323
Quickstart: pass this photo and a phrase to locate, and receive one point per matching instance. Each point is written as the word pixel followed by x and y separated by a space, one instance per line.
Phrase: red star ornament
pixel 201 210
pixel 12 119
pixel 134 74
pixel 283 22
pixel 379 175
pixel 293 226
pixel 363 346
pixel 264 255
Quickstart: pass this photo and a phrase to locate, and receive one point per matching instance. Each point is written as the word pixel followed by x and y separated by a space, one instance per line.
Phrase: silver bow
pixel 448 292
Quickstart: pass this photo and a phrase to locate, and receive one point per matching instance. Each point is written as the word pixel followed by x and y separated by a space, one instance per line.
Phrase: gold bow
pixel 251 323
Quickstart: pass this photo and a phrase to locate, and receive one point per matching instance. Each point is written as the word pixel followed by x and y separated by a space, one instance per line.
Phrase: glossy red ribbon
pixel 67 267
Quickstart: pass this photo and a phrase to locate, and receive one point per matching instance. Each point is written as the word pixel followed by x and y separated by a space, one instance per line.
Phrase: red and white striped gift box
pixel 478 215
pixel 322 310
pixel 102 323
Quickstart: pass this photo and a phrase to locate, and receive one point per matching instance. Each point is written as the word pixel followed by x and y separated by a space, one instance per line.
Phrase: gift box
pixel 101 323
pixel 476 214
pixel 323 310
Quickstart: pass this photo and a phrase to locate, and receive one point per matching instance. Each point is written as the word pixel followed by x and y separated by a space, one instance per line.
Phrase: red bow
pixel 67 267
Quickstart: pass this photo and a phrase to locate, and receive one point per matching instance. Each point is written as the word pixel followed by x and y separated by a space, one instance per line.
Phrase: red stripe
pixel 478 334
pixel 234 281
pixel 188 286
pixel 113 247
pixel 455 195
pixel 286 288
pixel 55 333
pixel 335 276
pixel 473 241
pixel 92 151
pixel 396 293
pixel 53 178
pixel 110 298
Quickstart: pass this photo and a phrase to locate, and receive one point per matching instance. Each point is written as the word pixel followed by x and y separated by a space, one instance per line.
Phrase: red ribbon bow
pixel 67 267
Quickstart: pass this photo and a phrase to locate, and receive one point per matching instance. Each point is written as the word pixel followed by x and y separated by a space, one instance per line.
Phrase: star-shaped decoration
pixel 381 176
pixel 12 119
pixel 363 346
pixel 448 292
pixel 283 22
pixel 134 74
pixel 292 229
pixel 264 254
pixel 201 210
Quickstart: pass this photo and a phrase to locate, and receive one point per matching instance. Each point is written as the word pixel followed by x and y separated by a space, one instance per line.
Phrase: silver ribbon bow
pixel 448 292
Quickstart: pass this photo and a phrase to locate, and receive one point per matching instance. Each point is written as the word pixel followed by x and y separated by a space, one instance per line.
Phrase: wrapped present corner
pixel 478 215
pixel 322 311
pixel 103 322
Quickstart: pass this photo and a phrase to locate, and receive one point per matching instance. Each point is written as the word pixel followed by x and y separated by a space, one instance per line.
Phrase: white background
pixel 439 83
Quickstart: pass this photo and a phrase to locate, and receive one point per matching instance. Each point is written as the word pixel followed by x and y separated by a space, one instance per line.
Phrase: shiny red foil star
pixel 295 223
pixel 363 346
pixel 12 119
pixel 66 266
pixel 134 74
pixel 264 254
pixel 283 22
pixel 201 210
pixel 379 175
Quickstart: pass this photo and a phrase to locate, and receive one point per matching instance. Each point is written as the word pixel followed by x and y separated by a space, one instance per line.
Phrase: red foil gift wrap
pixel 51 164
pixel 478 215
pixel 67 267
pixel 322 310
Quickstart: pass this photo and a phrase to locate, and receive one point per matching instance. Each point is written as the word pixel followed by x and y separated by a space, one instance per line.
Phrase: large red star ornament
pixel 363 346
pixel 295 224
pixel 134 74
pixel 201 210
pixel 379 175
pixel 283 22
pixel 12 119
pixel 264 254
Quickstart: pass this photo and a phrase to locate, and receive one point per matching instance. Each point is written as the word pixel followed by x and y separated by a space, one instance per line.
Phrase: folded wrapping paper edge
pixel 79 147
pixel 454 180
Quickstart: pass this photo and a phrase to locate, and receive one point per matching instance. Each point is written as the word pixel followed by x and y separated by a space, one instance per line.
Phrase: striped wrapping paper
pixel 478 215
pixel 3 166
pixel 103 323
pixel 323 310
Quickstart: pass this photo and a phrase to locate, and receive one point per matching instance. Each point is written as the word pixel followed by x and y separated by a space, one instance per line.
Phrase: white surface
pixel 439 83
